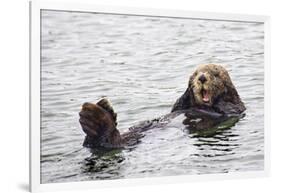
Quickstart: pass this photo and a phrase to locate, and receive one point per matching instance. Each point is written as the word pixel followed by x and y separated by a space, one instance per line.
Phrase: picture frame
pixel 35 93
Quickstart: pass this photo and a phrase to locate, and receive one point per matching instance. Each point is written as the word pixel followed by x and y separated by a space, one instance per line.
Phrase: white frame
pixel 35 8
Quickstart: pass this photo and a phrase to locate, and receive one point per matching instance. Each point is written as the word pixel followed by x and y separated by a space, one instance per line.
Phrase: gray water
pixel 142 65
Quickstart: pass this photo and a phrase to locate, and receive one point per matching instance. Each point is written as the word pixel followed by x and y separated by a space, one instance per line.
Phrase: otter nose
pixel 202 78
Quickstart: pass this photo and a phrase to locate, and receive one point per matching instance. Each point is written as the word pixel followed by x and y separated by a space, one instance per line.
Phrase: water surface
pixel 142 64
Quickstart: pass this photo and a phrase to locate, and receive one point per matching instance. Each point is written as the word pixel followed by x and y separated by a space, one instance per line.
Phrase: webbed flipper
pixel 105 104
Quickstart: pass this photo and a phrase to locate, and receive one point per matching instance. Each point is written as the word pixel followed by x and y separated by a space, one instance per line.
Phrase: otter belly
pixel 195 121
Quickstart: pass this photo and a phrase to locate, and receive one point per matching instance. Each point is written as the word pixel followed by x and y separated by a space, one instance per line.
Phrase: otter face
pixel 208 82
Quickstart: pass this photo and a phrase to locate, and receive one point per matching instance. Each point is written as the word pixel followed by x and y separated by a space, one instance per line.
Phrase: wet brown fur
pixel 99 120
pixel 224 97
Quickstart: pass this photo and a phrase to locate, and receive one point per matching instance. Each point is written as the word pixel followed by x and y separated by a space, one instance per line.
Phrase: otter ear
pixel 105 104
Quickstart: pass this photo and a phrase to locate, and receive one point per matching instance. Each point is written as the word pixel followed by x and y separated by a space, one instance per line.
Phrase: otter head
pixel 209 82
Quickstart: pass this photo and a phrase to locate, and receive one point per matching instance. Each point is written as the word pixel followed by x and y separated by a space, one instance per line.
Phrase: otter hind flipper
pixel 99 126
pixel 106 105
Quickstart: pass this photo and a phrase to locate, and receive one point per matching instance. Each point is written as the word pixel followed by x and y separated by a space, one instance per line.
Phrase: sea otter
pixel 210 98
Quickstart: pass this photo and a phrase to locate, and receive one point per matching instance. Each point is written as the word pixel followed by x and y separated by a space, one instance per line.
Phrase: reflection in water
pixel 213 134
pixel 101 161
